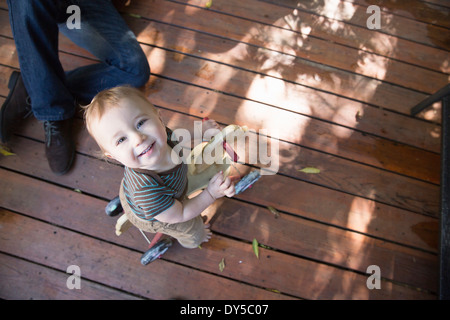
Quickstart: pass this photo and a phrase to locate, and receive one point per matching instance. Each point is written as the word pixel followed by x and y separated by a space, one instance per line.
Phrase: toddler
pixel 128 129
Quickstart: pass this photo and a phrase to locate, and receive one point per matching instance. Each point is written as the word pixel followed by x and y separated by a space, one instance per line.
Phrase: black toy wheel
pixel 113 208
pixel 156 251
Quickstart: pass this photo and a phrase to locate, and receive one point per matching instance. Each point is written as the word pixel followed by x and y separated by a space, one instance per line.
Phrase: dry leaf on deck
pixel 5 151
pixel 274 211
pixel 255 247
pixel 137 16
pixel 309 170
pixel 208 4
pixel 222 265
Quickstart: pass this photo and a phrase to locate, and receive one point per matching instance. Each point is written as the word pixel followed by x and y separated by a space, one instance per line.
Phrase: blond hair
pixel 107 99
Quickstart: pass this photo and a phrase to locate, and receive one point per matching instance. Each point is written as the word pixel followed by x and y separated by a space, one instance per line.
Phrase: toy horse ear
pixel 108 155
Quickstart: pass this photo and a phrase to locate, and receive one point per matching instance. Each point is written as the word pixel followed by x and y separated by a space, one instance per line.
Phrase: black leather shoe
pixel 16 107
pixel 59 145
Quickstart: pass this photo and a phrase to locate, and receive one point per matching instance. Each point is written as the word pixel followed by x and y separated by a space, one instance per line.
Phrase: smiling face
pixel 133 134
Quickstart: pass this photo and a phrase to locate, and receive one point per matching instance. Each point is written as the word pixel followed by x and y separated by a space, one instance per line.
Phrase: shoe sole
pixel 69 165
pixel 11 86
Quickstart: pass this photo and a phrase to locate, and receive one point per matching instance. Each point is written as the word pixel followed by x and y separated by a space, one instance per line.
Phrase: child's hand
pixel 218 187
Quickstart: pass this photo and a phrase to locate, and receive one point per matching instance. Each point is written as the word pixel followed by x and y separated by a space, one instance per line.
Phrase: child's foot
pixel 208 233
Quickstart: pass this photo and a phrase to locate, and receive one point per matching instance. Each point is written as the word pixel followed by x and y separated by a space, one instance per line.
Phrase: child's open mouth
pixel 149 148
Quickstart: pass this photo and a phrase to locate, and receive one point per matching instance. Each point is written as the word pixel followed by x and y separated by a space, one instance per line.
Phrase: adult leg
pixel 105 34
pixel 15 108
pixel 34 25
pixel 35 29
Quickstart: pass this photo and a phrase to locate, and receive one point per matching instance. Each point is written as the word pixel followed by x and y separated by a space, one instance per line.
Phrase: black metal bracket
pixel 444 236
pixel 444 264
pixel 445 91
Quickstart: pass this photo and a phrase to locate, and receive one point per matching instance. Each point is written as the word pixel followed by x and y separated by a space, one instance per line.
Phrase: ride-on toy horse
pixel 199 174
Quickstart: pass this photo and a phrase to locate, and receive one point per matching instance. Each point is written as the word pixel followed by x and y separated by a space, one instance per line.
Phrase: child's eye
pixel 120 140
pixel 140 123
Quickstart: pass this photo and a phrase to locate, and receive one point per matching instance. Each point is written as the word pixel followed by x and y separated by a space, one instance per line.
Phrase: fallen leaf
pixel 274 290
pixel 77 190
pixel 274 211
pixel 6 152
pixel 222 265
pixel 255 247
pixel 137 16
pixel 208 4
pixel 309 170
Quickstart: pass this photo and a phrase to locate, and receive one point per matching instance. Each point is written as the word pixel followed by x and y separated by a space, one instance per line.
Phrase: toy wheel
pixel 156 251
pixel 113 208
pixel 247 181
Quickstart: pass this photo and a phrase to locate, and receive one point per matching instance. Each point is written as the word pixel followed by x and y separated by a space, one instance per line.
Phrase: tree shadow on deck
pixel 318 223
pixel 318 128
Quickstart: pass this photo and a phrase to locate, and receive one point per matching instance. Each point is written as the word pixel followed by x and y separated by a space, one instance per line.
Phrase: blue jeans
pixel 53 92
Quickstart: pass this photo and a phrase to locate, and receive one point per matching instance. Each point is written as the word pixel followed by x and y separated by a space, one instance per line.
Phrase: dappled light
pixel 361 213
pixel 336 9
pixel 371 66
pixel 357 177
pixel 288 52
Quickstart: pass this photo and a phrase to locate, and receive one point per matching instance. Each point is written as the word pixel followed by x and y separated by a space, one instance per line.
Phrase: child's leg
pixel 35 29
pixel 190 234
pixel 208 233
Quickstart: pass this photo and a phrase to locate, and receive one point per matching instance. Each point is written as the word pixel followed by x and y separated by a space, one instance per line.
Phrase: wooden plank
pixel 398 26
pixel 299 277
pixel 284 40
pixel 327 244
pixel 61 202
pixel 425 200
pixel 351 113
pixel 443 3
pixel 293 127
pixel 110 264
pixel 385 45
pixel 337 173
pixel 375 250
pixel 365 41
pixel 379 98
pixel 318 135
pixel 340 209
pixel 24 280
pixel 184 95
pixel 421 11
pixel 385 94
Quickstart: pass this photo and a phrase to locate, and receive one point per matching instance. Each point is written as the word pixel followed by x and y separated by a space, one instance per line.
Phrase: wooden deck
pixel 334 94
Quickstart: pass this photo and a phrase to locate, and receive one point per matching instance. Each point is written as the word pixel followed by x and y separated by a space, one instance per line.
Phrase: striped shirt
pixel 149 193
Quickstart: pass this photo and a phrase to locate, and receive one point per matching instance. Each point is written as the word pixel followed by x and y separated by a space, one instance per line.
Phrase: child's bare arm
pixel 190 208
